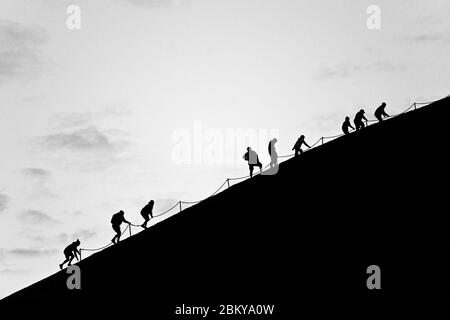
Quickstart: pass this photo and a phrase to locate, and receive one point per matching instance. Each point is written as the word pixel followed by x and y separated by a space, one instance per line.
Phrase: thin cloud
pixel 38 173
pixel 427 37
pixel 83 235
pixel 20 50
pixel 32 253
pixel 39 178
pixel 9 271
pixel 348 69
pixel 86 119
pixel 4 201
pixel 34 217
pixel 87 139
pixel 72 119
pixel 86 149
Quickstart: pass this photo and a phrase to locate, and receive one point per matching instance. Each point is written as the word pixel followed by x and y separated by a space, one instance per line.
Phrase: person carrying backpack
pixel 116 221
pixel 253 160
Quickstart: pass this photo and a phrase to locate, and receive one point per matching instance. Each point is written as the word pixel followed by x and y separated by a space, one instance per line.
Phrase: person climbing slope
pixel 380 112
pixel 253 160
pixel 359 117
pixel 347 125
pixel 71 251
pixel 298 145
pixel 116 221
pixel 146 212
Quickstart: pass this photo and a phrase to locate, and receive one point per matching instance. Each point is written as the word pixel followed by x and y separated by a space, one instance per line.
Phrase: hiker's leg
pixel 118 232
pixel 296 152
pixel 71 258
pixel 251 170
pixel 64 262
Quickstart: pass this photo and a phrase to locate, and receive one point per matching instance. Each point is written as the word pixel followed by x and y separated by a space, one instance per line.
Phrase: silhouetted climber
pixel 347 125
pixel 116 221
pixel 146 212
pixel 273 153
pixel 253 160
pixel 380 113
pixel 359 117
pixel 298 145
pixel 71 251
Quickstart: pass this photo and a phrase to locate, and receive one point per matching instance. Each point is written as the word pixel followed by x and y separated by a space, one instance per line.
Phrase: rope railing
pixel 227 181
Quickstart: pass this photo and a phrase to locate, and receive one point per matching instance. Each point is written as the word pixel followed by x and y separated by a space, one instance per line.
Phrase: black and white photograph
pixel 224 159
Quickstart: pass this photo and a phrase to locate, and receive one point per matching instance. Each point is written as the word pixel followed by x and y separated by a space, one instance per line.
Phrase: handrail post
pixel 129 227
pixel 322 140
pixel 180 205
pixel 228 181
pixel 80 253
pixel 414 106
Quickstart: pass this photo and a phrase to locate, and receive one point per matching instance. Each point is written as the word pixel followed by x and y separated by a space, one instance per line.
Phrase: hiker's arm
pixel 307 144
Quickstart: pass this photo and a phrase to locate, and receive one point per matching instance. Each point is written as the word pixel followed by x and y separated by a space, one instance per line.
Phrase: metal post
pixel 129 227
pixel 414 106
pixel 180 206
pixel 228 181
pixel 322 139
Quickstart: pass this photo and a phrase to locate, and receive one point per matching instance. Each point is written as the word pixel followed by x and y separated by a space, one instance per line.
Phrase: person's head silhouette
pixel 78 242
pixel 302 137
pixel 384 104
pixel 248 148
pixel 362 110
pixel 347 118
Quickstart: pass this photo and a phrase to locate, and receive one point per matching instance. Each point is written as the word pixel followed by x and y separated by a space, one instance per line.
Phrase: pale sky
pixel 92 119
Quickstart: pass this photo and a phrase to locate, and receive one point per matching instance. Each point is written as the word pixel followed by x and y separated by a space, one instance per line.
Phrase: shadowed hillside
pixel 301 239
